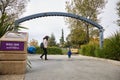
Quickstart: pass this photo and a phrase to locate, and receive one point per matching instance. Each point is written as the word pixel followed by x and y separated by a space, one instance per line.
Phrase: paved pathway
pixel 59 67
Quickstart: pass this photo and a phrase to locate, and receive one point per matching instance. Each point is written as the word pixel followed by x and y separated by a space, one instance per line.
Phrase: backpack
pixel 41 45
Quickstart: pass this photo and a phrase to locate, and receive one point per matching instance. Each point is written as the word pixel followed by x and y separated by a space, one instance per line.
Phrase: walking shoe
pixel 46 59
pixel 41 57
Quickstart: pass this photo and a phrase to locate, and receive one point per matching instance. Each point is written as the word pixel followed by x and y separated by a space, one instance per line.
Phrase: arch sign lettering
pixel 17 22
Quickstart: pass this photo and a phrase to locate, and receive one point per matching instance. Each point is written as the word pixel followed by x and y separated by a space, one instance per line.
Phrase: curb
pixel 103 59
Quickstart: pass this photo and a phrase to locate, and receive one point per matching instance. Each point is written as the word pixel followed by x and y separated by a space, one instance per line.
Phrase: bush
pixel 100 53
pixel 39 50
pixel 64 51
pixel 112 47
pixel 89 49
pixel 110 50
pixel 54 50
pixel 51 50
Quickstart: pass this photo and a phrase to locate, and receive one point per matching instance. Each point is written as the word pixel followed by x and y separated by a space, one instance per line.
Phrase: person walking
pixel 45 43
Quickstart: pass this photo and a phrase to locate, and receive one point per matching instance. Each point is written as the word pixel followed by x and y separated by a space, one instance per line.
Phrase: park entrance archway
pixel 17 22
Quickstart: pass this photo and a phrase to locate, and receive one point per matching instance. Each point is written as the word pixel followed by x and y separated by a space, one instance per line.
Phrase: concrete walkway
pixel 59 67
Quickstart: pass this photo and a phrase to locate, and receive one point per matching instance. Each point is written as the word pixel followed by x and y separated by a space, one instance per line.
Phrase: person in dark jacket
pixel 45 43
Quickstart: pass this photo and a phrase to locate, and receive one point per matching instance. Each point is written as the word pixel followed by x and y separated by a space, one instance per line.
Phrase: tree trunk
pixel 87 33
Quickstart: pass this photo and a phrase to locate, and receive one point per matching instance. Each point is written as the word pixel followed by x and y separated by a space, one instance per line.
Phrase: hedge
pixel 51 50
pixel 110 50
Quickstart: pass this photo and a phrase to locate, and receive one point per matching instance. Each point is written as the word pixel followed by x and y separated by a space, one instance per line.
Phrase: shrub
pixel 89 49
pixel 100 53
pixel 112 47
pixel 54 50
pixel 64 51
pixel 51 50
pixel 83 50
pixel 110 50
pixel 39 50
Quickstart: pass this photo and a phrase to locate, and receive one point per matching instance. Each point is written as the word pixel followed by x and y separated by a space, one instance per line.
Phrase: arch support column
pixel 101 38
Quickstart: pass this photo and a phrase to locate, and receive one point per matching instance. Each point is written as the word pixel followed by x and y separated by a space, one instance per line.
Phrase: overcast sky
pixel 40 27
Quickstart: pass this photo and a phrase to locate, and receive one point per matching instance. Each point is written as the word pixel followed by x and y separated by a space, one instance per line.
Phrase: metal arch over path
pixel 17 22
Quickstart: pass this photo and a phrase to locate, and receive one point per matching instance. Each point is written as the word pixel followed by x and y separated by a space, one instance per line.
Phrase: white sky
pixel 40 27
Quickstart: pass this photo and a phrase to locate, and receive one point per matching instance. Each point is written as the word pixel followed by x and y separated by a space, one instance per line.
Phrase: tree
pixel 118 12
pixel 77 37
pixel 62 39
pixel 13 8
pixel 33 42
pixel 52 41
pixel 10 10
pixel 89 9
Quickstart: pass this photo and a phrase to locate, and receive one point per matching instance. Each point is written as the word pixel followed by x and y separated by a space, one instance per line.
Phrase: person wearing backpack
pixel 45 45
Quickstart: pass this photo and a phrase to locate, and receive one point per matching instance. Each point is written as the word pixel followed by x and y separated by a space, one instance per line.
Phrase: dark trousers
pixel 44 53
